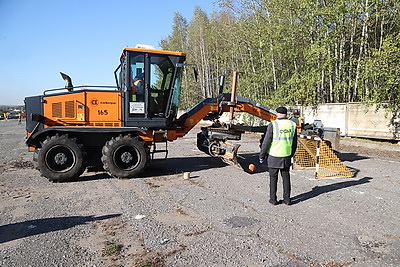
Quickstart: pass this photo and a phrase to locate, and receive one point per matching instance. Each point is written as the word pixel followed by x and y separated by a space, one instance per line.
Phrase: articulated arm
pixel 211 140
pixel 249 106
pixel 214 107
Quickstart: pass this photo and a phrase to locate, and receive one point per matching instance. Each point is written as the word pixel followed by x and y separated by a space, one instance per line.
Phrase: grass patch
pixel 151 184
pixel 112 249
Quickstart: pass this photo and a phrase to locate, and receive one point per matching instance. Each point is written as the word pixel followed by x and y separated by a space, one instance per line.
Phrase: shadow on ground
pixel 19 230
pixel 319 190
pixel 245 160
pixel 171 166
pixel 351 157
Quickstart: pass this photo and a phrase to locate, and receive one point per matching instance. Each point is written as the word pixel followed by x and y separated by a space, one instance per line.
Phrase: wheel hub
pixel 60 158
pixel 126 157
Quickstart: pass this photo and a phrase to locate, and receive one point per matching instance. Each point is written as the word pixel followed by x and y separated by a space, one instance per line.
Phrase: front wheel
pixel 125 156
pixel 60 159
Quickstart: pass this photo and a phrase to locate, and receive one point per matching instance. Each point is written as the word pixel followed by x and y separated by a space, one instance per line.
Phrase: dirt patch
pixel 18 163
pixel 180 216
pixel 370 148
pixel 21 164
pixel 115 244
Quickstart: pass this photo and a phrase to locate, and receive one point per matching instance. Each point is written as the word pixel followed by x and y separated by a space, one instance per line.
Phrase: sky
pixel 82 38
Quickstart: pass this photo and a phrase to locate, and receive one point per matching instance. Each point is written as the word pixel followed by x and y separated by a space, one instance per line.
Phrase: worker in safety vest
pixel 278 148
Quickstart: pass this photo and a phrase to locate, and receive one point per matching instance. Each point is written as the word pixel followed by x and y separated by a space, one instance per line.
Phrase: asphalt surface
pixel 218 217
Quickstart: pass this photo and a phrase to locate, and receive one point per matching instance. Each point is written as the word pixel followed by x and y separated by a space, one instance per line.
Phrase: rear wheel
pixel 125 156
pixel 60 159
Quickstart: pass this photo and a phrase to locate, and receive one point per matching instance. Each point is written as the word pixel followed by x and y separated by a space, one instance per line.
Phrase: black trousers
pixel 273 182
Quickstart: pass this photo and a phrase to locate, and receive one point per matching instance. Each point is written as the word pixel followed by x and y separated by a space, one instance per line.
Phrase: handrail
pixel 81 86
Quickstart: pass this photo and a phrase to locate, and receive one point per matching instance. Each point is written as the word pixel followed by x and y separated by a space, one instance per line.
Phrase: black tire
pixel 59 159
pixel 202 143
pixel 125 156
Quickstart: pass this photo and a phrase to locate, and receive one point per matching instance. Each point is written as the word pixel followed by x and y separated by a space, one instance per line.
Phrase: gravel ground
pixel 219 217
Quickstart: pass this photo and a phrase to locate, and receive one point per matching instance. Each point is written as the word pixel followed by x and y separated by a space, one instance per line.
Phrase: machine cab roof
pixel 152 51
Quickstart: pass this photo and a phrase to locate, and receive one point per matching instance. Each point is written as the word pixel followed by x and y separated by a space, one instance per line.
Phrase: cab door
pixel 149 86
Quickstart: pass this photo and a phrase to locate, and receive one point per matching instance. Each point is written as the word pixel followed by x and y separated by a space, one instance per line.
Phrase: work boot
pixel 273 202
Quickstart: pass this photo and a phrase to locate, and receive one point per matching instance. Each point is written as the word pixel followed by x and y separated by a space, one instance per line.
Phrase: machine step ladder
pixel 160 139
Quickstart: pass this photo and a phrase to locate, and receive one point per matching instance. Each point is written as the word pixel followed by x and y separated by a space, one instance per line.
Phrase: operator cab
pixel 150 83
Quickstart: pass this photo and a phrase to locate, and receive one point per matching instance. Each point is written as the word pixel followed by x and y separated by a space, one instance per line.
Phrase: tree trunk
pixel 360 55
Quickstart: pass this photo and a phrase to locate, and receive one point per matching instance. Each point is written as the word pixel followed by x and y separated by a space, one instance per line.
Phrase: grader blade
pixel 227 152
pixel 230 155
pixel 214 141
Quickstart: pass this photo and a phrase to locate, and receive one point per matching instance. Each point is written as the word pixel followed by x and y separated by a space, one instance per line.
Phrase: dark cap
pixel 282 110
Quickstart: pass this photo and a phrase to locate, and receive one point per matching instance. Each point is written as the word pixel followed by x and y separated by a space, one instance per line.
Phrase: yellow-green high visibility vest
pixel 282 138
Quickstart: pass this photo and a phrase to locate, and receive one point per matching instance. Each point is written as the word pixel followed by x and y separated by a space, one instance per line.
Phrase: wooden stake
pixel 233 94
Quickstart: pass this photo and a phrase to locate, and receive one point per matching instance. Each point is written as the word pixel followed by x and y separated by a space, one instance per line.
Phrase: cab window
pixel 161 74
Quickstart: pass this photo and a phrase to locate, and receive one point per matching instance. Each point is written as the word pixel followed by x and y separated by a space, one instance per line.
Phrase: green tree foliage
pixel 382 70
pixel 291 52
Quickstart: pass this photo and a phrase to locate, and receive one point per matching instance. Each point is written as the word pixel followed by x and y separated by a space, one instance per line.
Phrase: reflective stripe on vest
pixel 282 138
